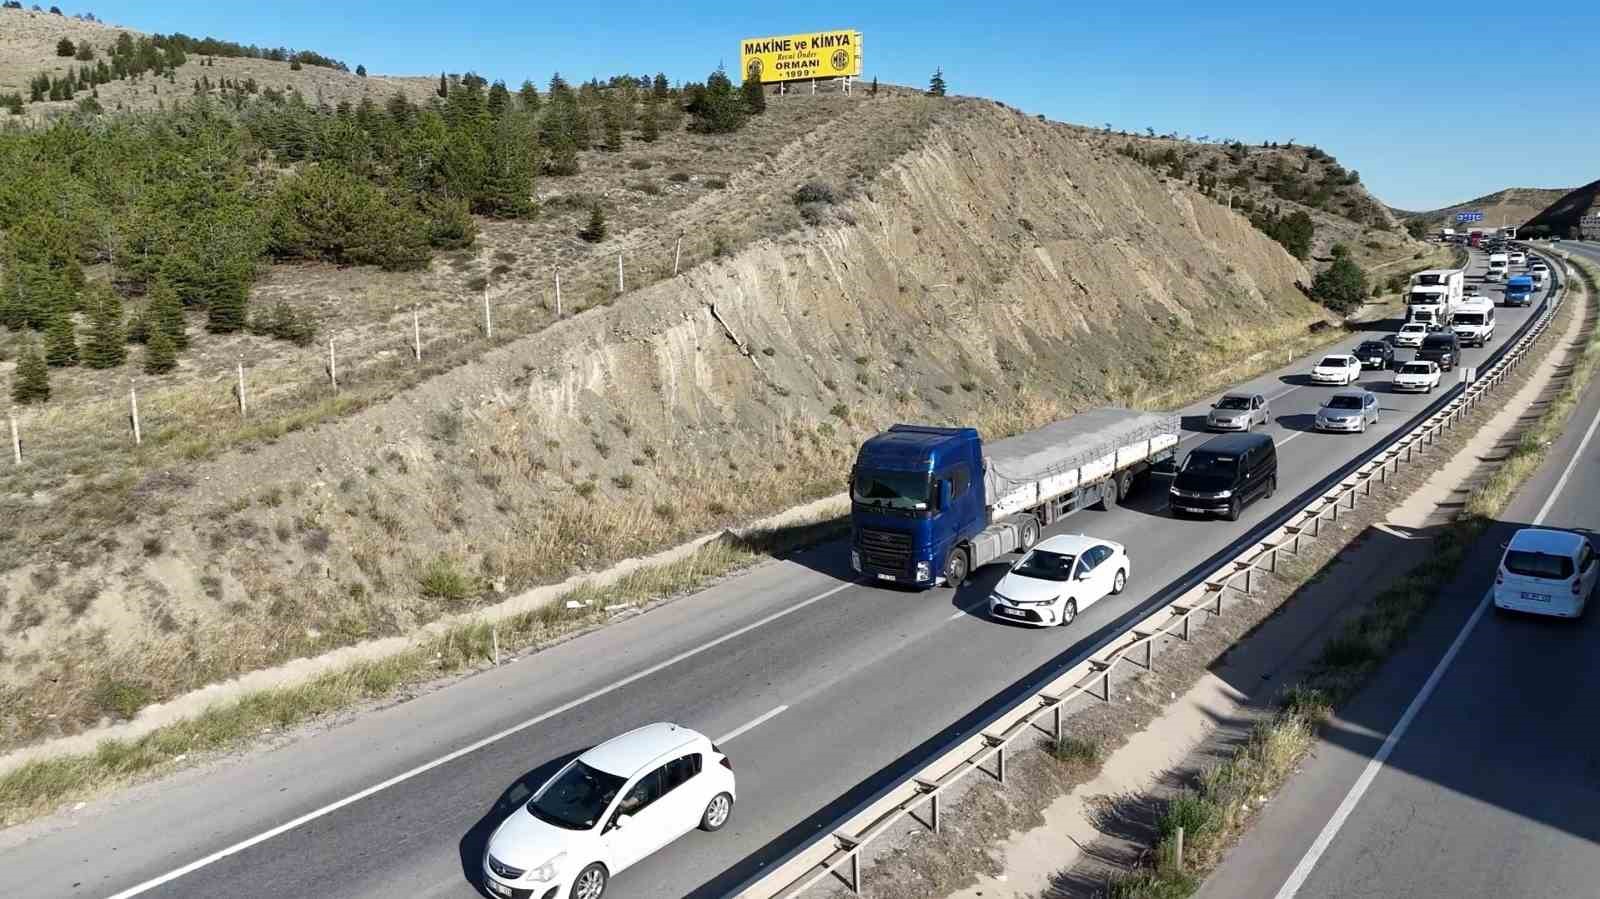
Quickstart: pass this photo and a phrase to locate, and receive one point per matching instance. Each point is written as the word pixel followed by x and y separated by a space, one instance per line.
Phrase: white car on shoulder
pixel 608 809
pixel 1411 334
pixel 1336 369
pixel 1059 578
pixel 1546 572
pixel 1417 377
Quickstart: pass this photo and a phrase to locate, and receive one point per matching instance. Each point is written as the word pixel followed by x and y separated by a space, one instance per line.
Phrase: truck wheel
pixel 955 569
pixel 1030 534
pixel 1108 496
pixel 1125 485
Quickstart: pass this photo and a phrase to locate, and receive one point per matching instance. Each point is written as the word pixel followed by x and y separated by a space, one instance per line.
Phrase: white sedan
pixel 606 810
pixel 1417 377
pixel 1411 334
pixel 1337 369
pixel 1059 578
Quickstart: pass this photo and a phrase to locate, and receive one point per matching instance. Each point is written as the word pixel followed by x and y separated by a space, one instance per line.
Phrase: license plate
pixel 1192 509
pixel 885 577
pixel 499 889
pixel 1536 597
pixel 1018 613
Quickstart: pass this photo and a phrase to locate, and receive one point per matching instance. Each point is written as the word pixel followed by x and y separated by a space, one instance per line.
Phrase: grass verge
pixel 1215 812
pixel 38 786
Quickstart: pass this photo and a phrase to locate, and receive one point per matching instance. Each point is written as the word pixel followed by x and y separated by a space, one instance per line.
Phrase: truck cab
pixel 914 491
pixel 1499 267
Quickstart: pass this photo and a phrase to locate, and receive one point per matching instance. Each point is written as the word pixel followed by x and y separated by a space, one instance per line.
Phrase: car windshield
pixel 1372 347
pixel 1046 565
pixel 891 489
pixel 1469 318
pixel 1415 368
pixel 577 798
pixel 1234 402
pixel 1210 463
pixel 1414 327
pixel 1334 362
pixel 1345 402
pixel 1541 565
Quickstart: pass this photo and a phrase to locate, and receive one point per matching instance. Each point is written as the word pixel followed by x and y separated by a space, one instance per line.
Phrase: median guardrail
pixel 1033 706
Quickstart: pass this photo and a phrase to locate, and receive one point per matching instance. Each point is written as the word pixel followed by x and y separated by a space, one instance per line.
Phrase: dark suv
pixel 1375 354
pixel 1442 348
pixel 1224 474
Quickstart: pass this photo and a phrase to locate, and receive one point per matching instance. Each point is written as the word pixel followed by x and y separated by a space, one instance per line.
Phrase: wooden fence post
pixel 16 439
pixel 488 320
pixel 558 293
pixel 241 387
pixel 677 254
pixel 620 287
pixel 133 406
pixel 416 333
pixel 333 367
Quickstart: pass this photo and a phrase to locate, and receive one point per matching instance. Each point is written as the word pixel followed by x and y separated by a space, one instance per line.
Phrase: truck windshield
pixel 892 489
pixel 1045 565
pixel 1426 298
pixel 1469 318
pixel 1430 279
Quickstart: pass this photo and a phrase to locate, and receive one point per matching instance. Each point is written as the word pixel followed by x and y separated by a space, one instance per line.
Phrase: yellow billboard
pixel 798 57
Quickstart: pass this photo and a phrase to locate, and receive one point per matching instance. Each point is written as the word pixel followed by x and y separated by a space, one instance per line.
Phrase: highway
pixel 1491 790
pixel 845 679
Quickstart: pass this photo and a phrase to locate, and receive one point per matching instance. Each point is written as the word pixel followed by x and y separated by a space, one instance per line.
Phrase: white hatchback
pixel 1059 578
pixel 606 810
pixel 1546 572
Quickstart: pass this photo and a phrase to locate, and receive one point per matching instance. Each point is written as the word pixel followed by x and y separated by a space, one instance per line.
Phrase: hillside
pixel 1560 218
pixel 28 43
pixel 835 264
pixel 1512 206
pixel 1277 180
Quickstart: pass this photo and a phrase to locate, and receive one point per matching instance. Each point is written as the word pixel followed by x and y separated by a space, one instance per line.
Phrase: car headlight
pixel 1222 494
pixel 924 571
pixel 855 559
pixel 549 870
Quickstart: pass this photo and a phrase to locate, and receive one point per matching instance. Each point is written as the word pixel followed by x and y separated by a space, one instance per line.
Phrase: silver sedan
pixel 1348 411
pixel 1238 412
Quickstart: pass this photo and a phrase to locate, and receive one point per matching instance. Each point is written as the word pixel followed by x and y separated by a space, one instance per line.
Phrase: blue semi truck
pixel 931 504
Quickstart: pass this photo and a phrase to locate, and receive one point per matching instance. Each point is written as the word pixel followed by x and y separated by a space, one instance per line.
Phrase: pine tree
pixel 107 346
pixel 755 96
pixel 31 383
pixel 228 308
pixel 165 314
pixel 936 83
pixel 499 102
pixel 160 356
pixel 361 71
pixel 612 120
pixel 60 342
pixel 874 91
pixel 596 229
pixel 85 52
pixel 659 88
pixel 649 122
pixel 65 47
pixel 444 86
pixel 530 97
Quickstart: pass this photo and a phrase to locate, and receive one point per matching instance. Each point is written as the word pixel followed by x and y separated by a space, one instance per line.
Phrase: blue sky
pixel 1381 87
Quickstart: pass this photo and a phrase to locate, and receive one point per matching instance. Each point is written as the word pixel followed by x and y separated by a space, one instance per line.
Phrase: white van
pixel 1474 322
pixel 1546 572
pixel 1499 264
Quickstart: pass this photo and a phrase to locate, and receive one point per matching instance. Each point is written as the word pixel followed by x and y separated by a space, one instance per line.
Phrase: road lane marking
pixel 748 726
pixel 965 610
pixel 1308 862
pixel 332 807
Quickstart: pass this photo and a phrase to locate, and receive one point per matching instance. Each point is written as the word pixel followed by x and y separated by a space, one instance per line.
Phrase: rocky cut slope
pixel 1511 206
pixel 1002 272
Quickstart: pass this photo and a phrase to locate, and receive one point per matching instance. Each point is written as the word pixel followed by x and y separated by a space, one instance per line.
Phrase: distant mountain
pixel 1560 219
pixel 1512 206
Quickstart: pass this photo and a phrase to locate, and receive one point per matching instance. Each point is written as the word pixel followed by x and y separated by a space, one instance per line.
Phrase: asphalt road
pixel 863 676
pixel 1493 787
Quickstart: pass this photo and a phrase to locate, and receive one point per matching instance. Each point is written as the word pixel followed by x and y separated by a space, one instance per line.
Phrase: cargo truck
pixel 1499 267
pixel 1434 295
pixel 931 504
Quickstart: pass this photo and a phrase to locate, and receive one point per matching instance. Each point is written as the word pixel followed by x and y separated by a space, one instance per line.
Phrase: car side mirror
pixel 621 822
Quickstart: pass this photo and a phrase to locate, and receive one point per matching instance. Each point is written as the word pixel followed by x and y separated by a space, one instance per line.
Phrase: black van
pixel 1225 474
pixel 1443 348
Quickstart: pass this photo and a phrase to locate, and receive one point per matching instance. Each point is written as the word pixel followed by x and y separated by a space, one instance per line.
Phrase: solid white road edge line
pixel 465 750
pixel 1308 862
pixel 748 726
